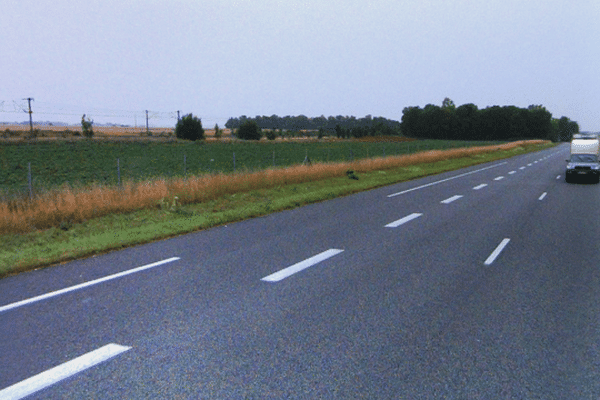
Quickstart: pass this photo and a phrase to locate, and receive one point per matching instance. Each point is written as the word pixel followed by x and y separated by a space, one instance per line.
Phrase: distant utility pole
pixel 30 118
pixel 147 128
pixel 178 116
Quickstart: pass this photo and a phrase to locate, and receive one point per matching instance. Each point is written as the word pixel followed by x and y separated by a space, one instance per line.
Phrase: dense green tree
pixel 325 125
pixel 433 122
pixel 467 122
pixel 341 132
pixel 189 127
pixel 496 122
pixel 411 119
pixel 467 117
pixel 448 105
pixel 566 129
pixel 519 123
pixel 540 122
pixel 249 130
pixel 574 128
pixel 555 136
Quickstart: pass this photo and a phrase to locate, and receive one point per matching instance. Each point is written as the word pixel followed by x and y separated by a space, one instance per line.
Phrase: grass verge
pixel 25 251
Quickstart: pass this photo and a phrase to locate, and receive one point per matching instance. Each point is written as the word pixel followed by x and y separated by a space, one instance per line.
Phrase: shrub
pixel 218 132
pixel 271 135
pixel 86 127
pixel 189 128
pixel 249 130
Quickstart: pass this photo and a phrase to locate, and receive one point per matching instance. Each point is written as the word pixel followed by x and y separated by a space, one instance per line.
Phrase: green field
pixel 84 162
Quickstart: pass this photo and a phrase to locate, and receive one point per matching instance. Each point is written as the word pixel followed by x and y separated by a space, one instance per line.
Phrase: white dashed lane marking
pixel 446 180
pixel 289 271
pixel 86 284
pixel 404 220
pixel 496 252
pixel 63 371
pixel 451 199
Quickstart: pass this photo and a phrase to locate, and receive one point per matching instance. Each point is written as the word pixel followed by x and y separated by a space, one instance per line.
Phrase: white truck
pixel 583 162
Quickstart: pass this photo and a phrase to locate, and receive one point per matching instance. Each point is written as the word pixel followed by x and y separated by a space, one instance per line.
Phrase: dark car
pixel 583 166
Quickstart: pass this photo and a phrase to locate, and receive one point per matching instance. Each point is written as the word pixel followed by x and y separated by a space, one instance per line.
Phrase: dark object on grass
pixel 351 175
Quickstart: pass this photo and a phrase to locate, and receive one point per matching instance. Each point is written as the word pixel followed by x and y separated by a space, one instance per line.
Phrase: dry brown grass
pixel 388 139
pixel 75 206
pixel 105 130
pixel 101 130
pixel 21 133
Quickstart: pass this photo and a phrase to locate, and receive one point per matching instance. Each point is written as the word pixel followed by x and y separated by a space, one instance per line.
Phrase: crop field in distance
pixel 76 163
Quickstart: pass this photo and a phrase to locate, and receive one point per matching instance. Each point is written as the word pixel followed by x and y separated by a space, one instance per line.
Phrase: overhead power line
pixel 45 111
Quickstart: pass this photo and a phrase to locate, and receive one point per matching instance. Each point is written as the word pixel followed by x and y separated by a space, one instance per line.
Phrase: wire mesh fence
pixel 31 168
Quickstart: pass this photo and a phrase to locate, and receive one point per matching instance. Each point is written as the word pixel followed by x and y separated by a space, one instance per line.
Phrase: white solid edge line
pixel 85 284
pixel 447 179
pixel 496 252
pixel 404 220
pixel 542 196
pixel 291 270
pixel 451 199
pixel 480 186
pixel 60 372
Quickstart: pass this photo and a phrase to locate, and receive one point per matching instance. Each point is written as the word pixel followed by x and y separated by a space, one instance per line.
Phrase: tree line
pixel 341 126
pixel 468 122
pixel 446 122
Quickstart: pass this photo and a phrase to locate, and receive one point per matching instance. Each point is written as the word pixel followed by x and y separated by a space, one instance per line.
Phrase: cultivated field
pixel 37 166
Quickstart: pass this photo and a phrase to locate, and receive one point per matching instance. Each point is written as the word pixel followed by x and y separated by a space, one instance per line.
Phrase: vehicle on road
pixel 583 162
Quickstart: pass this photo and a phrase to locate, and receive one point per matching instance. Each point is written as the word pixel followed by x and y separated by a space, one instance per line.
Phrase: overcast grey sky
pixel 113 59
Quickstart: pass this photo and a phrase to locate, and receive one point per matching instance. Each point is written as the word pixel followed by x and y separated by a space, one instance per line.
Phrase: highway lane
pixel 520 332
pixel 405 311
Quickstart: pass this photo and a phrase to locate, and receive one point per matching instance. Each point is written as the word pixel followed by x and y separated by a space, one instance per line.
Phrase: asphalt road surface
pixel 482 283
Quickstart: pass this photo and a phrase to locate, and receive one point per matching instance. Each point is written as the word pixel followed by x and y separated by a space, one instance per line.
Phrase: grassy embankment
pixel 67 224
